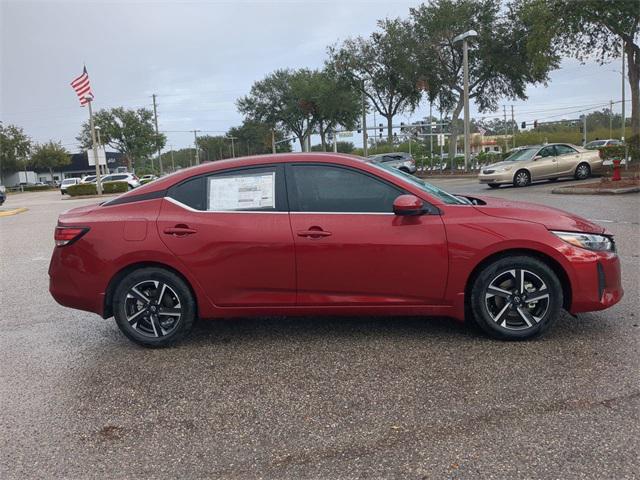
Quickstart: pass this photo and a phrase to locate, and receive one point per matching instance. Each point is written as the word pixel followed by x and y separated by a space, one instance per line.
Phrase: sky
pixel 200 56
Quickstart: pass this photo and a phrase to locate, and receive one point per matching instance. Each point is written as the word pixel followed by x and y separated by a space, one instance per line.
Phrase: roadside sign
pixel 102 157
pixel 345 134
pixel 440 139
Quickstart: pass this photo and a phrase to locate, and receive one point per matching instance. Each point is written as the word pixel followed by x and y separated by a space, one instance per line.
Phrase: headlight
pixel 590 241
pixel 502 169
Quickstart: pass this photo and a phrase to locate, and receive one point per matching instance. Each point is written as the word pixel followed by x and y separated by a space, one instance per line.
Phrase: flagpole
pixel 95 145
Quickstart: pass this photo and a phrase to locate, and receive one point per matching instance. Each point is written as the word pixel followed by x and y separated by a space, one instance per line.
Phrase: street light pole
pixel 623 85
pixel 89 99
pixel 100 145
pixel 465 65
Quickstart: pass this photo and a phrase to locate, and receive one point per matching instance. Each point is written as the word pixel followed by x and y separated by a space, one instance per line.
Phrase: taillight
pixel 67 235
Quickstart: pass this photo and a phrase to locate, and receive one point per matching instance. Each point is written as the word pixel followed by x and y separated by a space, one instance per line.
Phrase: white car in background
pixel 89 179
pixel 130 178
pixel 67 182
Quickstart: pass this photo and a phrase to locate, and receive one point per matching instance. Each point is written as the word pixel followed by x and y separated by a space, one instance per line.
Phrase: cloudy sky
pixel 200 56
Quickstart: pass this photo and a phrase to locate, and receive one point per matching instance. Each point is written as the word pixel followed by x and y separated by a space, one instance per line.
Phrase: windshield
pixel 522 155
pixel 597 143
pixel 69 182
pixel 421 184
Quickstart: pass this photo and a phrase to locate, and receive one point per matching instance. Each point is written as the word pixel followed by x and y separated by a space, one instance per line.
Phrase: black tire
pixel 494 185
pixel 512 317
pixel 156 322
pixel 583 171
pixel 521 178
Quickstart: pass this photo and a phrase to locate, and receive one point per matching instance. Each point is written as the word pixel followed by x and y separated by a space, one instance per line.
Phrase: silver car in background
pixel 400 160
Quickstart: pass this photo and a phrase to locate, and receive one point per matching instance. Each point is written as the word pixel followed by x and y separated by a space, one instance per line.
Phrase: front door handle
pixel 179 231
pixel 313 233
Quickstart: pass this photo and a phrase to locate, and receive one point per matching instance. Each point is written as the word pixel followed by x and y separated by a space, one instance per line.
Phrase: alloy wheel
pixel 517 299
pixel 522 179
pixel 153 308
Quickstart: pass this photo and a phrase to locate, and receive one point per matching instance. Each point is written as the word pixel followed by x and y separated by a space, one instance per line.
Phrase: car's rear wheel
pixel 583 171
pixel 522 178
pixel 494 185
pixel 154 307
pixel 516 298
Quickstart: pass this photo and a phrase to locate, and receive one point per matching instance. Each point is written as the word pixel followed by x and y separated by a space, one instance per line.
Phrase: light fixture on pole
pixel 89 99
pixel 464 38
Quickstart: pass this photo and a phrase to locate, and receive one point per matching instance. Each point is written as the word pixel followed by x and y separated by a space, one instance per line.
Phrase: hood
pixel 499 164
pixel 551 218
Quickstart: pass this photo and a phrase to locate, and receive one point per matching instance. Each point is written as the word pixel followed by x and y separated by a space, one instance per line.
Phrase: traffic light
pixel 524 125
pixel 535 124
pixel 359 128
pixel 380 129
pixel 402 126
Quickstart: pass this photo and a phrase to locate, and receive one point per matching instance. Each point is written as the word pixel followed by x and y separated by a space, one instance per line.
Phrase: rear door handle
pixel 179 231
pixel 313 233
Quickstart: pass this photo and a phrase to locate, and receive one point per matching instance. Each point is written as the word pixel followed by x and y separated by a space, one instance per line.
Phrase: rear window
pixel 69 181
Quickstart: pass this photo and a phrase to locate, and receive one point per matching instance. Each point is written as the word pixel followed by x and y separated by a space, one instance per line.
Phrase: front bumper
pixel 497 178
pixel 597 284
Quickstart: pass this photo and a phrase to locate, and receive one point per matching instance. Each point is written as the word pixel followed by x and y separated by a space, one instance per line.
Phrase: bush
pixel 612 152
pixel 36 188
pixel 115 187
pixel 90 188
pixel 82 189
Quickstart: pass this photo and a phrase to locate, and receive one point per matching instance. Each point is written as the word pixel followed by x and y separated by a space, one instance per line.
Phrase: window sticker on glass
pixel 246 192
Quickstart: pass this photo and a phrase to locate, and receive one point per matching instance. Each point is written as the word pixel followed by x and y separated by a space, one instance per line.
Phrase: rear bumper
pixel 71 282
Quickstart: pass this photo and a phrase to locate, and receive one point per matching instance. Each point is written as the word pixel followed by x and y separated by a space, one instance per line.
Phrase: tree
pixel 606 28
pixel 254 138
pixel 501 64
pixel 50 155
pixel 282 98
pixel 130 132
pixel 337 104
pixel 383 67
pixel 181 158
pixel 213 148
pixel 15 147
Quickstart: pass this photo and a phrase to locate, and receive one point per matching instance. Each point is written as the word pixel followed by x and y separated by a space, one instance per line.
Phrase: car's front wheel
pixel 521 178
pixel 154 307
pixel 516 298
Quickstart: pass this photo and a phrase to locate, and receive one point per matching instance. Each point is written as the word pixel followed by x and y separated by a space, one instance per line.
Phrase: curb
pixel 595 191
pixel 14 211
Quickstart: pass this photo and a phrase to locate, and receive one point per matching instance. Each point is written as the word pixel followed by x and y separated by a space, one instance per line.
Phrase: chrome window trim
pixel 187 207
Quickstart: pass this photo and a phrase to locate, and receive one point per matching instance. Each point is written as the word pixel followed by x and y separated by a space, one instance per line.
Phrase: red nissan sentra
pixel 325 234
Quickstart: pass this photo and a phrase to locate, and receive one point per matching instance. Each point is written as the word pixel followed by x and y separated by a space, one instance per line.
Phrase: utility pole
pixel 610 118
pixel 364 122
pixel 504 110
pixel 442 132
pixel 513 128
pixel 173 163
pixel 195 143
pixel 623 85
pixel 100 146
pixel 89 99
pixel 584 129
pixel 273 140
pixel 233 148
pixel 155 116
pixel 430 129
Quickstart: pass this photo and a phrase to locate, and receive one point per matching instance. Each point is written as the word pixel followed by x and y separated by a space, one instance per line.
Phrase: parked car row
pixel 130 178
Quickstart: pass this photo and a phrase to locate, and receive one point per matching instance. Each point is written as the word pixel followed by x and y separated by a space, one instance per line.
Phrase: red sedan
pixel 325 234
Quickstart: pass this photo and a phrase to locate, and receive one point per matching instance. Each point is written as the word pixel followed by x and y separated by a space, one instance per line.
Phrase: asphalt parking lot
pixel 315 397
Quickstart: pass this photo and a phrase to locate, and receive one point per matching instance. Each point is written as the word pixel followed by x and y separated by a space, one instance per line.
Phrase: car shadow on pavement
pixel 322 328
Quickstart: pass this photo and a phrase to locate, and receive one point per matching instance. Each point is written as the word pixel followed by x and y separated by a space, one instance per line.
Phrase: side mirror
pixel 408 205
pixel 537 157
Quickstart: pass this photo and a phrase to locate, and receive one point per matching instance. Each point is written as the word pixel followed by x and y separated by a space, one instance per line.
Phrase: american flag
pixel 82 87
pixel 482 131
